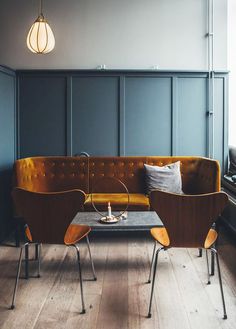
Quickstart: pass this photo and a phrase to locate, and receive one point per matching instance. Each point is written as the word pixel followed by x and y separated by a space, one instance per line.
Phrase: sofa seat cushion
pixel 118 201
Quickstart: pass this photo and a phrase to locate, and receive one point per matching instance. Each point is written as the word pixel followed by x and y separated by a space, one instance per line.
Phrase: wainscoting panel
pixel 147 116
pixel 120 113
pixel 95 115
pixel 42 115
pixel 191 116
pixel 218 121
pixel 7 147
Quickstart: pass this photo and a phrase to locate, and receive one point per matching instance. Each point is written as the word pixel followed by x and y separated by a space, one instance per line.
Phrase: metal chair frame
pixel 200 232
pixel 153 268
pixel 38 258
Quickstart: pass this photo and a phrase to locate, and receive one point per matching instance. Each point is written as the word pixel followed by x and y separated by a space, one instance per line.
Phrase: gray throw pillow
pixel 166 178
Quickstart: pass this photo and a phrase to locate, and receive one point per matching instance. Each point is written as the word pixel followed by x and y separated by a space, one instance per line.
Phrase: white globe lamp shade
pixel 40 39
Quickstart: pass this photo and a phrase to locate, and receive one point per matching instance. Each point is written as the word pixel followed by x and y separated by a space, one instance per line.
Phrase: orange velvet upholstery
pixel 54 174
pixel 137 201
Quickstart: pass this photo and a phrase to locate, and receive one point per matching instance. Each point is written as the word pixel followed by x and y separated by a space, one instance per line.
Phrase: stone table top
pixel 136 221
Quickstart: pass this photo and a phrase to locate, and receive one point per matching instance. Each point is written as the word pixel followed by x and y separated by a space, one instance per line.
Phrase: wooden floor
pixel 119 299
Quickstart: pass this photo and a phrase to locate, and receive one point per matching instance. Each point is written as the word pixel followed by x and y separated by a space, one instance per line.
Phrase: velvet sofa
pixel 99 175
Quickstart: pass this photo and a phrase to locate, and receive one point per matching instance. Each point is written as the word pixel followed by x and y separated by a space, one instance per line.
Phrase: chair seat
pixel 28 234
pixel 210 239
pixel 137 201
pixel 160 235
pixel 75 233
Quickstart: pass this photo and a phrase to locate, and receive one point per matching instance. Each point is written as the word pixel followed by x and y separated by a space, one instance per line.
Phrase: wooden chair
pixel 48 217
pixel 187 223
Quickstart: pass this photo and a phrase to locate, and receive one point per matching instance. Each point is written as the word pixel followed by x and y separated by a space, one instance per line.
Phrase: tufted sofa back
pixel 51 174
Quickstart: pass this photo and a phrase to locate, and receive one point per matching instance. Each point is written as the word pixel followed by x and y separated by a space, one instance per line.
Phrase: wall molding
pixel 122 77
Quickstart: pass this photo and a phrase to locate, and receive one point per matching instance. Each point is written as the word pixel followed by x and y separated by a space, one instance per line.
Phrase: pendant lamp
pixel 40 39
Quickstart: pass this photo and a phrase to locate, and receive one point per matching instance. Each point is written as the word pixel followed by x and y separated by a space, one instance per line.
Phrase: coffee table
pixel 136 221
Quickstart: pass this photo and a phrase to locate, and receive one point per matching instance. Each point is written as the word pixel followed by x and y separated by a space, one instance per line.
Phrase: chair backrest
pixel 188 218
pixel 48 215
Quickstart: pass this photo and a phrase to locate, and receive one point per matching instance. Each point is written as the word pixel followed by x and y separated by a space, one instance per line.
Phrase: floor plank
pixel 196 302
pixel 33 292
pixel 113 310
pixel 213 290
pixel 120 296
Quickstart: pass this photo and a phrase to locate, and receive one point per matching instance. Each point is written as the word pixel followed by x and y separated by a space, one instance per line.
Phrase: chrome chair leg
pixel 208 272
pixel 151 266
pixel 220 282
pixel 215 226
pixel 38 248
pixel 17 276
pixel 80 278
pixel 36 257
pixel 91 260
pixel 26 261
pixel 213 262
pixel 153 280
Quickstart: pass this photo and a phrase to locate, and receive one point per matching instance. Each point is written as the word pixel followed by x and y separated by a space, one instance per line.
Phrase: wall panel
pixel 120 113
pixel 95 116
pixel 191 116
pixel 147 116
pixel 218 121
pixel 42 115
pixel 7 147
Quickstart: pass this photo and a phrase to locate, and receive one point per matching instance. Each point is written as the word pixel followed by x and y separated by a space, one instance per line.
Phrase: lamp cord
pixel 40 7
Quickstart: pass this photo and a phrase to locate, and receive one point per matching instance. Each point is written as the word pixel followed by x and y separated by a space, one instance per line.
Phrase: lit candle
pixel 109 209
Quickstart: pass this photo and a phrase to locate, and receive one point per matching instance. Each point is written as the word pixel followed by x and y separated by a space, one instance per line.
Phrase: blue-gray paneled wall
pixel 7 146
pixel 42 115
pixel 191 116
pixel 219 121
pixel 120 113
pixel 95 115
pixel 148 122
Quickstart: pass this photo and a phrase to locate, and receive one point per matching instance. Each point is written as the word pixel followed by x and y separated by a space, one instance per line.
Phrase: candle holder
pixel 110 217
